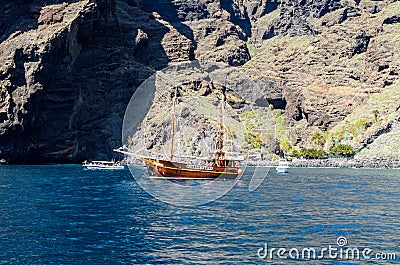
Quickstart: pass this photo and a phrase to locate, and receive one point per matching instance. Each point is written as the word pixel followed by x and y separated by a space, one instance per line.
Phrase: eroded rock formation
pixel 69 67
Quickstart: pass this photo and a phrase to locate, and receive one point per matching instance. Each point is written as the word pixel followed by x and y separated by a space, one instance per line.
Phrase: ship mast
pixel 171 147
pixel 220 145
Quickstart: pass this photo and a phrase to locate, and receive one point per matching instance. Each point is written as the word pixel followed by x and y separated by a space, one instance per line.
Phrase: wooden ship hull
pixel 158 168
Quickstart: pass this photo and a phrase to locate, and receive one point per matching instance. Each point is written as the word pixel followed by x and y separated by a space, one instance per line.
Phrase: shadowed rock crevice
pixel 175 12
pixel 361 43
pixel 238 16
pixel 392 20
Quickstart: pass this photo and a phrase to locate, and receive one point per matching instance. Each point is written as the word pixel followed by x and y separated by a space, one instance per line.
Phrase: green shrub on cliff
pixel 249 47
pixel 254 140
pixel 286 147
pixel 310 153
pixel 342 150
pixel 319 139
pixel 280 129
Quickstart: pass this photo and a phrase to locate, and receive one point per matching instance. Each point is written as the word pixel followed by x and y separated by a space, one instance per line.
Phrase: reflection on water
pixel 183 192
pixel 65 215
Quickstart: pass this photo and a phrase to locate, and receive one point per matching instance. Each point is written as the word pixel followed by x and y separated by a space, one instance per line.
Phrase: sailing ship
pixel 218 165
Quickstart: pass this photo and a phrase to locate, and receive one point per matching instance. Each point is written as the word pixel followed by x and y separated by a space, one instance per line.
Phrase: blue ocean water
pixel 62 214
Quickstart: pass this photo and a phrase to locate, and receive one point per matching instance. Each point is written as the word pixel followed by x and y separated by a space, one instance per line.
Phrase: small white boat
pixel 283 166
pixel 103 165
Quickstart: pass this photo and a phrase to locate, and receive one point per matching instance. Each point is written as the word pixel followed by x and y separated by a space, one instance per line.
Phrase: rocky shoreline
pixel 383 163
pixel 338 163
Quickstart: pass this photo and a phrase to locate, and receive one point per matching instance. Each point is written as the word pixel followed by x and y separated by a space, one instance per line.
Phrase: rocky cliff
pixel 69 68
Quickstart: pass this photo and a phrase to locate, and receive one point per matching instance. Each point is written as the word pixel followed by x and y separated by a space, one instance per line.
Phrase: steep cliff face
pixel 66 82
pixel 69 67
pixel 338 67
pixel 42 85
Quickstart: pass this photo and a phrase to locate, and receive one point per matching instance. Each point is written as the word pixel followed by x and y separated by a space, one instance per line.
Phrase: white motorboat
pixel 103 165
pixel 283 166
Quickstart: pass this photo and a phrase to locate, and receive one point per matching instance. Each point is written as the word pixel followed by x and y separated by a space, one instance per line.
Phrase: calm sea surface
pixel 67 215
